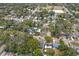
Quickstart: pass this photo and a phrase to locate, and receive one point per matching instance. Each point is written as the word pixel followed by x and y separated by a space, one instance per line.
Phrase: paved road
pixel 66 9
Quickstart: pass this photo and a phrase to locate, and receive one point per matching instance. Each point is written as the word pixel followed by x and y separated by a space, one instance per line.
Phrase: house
pixel 3 53
pixel 56 45
pixel 36 29
pixel 30 31
pixel 51 45
pixel 48 45
pixel 74 35
pixel 2 27
pixel 33 30
pixel 56 40
pixel 58 10
pixel 63 35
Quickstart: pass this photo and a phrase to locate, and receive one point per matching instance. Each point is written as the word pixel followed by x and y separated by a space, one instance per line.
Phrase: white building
pixel 58 9
pixel 48 46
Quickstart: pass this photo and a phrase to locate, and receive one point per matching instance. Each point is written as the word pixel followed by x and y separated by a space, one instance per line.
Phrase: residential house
pixel 58 10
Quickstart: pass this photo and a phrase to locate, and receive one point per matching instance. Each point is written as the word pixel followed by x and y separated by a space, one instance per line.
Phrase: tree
pixel 70 52
pixel 67 51
pixel 37 52
pixel 49 52
pixel 21 43
pixel 48 39
pixel 17 44
pixel 55 29
pixel 3 37
pixel 32 44
pixel 24 25
pixel 63 47
pixel 61 42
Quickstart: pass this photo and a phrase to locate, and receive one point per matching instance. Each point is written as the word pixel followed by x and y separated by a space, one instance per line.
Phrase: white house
pixel 58 10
